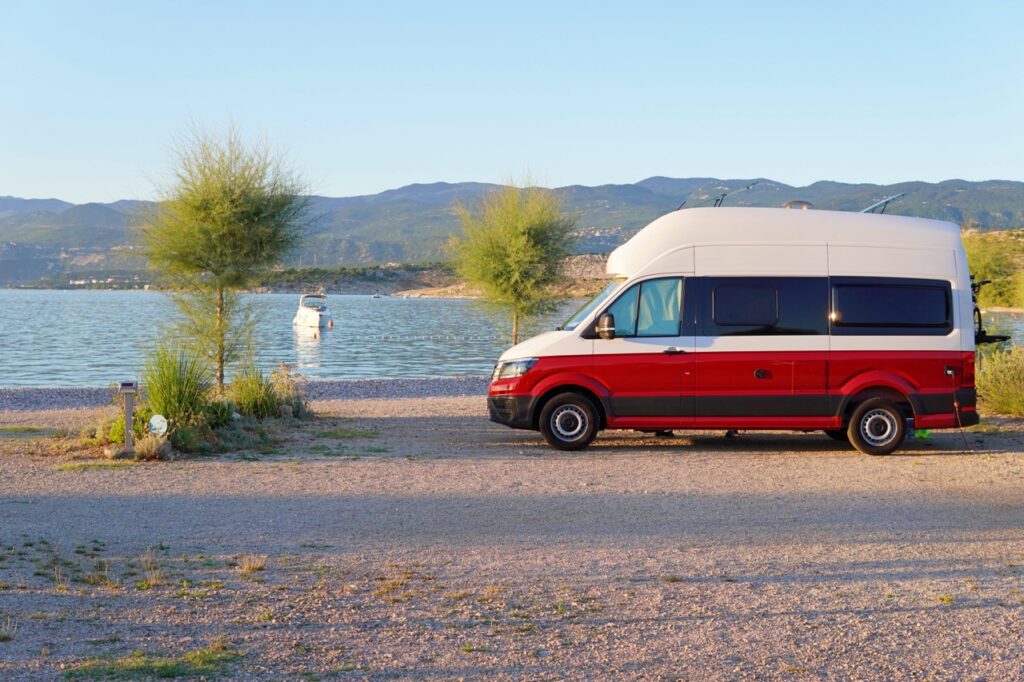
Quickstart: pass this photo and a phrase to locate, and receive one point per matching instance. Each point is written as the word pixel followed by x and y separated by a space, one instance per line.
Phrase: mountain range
pixel 411 224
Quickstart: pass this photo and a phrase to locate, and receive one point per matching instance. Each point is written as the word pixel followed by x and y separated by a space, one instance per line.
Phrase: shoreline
pixel 34 399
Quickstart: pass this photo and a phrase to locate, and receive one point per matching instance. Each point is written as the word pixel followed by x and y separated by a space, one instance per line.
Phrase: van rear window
pixel 888 306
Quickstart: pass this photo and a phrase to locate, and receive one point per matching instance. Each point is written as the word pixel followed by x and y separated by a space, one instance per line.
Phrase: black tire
pixel 569 421
pixel 877 427
pixel 838 434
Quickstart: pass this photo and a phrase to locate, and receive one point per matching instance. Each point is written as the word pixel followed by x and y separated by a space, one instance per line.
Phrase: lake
pixel 93 338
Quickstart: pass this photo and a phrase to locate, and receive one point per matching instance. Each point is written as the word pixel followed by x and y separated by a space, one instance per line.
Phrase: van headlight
pixel 512 368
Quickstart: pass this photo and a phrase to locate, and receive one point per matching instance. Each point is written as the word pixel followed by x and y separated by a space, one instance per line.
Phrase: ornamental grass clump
pixel 177 383
pixel 1001 382
pixel 253 394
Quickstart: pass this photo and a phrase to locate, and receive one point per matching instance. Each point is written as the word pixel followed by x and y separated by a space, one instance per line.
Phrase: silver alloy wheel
pixel 569 423
pixel 878 428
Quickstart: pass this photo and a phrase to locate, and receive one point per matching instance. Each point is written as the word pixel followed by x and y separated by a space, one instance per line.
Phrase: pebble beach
pixel 70 398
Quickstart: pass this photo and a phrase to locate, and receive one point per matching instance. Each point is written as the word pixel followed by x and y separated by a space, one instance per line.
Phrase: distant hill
pixel 412 223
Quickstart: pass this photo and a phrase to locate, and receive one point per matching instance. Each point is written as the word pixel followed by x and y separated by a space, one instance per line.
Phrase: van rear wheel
pixel 877 427
pixel 569 421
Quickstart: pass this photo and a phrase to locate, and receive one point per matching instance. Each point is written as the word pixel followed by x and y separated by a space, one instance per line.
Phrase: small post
pixel 128 389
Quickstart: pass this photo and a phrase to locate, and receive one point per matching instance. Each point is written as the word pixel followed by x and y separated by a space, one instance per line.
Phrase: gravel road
pixel 411 538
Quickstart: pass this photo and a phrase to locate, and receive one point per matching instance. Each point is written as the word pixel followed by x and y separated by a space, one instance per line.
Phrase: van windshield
pixel 593 303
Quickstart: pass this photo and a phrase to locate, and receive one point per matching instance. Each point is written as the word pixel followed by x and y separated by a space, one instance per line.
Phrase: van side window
pixel 764 306
pixel 650 308
pixel 888 306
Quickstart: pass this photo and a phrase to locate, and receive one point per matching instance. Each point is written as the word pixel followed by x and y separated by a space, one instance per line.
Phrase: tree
pixel 232 212
pixel 513 247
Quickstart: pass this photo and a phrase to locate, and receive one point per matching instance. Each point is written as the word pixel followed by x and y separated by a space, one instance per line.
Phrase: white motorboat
pixel 313 312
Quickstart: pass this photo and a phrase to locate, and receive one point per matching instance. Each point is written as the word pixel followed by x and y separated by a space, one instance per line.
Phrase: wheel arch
pixel 542 400
pixel 907 402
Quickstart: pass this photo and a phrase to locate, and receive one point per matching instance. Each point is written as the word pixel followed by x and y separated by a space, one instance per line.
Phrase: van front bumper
pixel 510 410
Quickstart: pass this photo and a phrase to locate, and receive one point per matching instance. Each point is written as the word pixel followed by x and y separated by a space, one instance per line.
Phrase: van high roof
pixel 695 226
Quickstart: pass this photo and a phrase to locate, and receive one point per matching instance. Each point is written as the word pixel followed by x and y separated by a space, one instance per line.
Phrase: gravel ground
pixel 32 399
pixel 412 539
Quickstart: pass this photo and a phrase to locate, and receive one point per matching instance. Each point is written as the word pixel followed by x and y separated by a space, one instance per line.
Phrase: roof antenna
pixel 724 195
pixel 883 203
pixel 721 197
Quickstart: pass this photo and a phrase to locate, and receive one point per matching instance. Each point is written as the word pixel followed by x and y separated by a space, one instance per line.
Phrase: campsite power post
pixel 128 390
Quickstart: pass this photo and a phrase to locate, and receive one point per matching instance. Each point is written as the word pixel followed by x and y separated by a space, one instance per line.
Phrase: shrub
pixel 1000 378
pixel 190 439
pixel 177 383
pixel 113 431
pixel 219 414
pixel 253 393
pixel 151 447
pixel 288 385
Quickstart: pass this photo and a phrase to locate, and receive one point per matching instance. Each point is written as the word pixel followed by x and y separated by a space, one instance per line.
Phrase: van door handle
pixel 762 374
pixel 672 350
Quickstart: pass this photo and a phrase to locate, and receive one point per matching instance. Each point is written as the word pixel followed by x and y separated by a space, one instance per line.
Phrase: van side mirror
pixel 606 327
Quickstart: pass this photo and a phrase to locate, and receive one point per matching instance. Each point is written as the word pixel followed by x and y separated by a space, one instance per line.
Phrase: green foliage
pixel 219 414
pixel 206 663
pixel 998 257
pixel 233 212
pixel 190 439
pixel 253 393
pixel 112 431
pixel 1001 380
pixel 512 247
pixel 177 383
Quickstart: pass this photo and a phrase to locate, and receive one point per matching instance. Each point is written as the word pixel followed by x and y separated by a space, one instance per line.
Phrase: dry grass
pixel 151 567
pixel 152 448
pixel 252 563
pixel 8 629
pixel 60 580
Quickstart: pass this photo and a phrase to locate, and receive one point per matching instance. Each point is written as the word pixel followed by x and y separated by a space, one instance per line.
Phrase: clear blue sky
pixel 365 96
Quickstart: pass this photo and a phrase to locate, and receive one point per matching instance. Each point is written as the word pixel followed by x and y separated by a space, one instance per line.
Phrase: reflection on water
pixel 308 346
pixel 92 338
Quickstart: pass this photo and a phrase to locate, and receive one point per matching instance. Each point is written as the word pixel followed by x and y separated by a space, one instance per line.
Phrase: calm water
pixel 92 338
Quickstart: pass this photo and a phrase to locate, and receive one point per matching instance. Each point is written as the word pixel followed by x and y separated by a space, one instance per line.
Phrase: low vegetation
pixel 200 419
pixel 1001 380
pixel 177 385
pixel 253 394
pixel 207 663
pixel 999 257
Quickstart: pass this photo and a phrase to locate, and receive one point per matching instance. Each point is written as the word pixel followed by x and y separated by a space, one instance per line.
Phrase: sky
pixel 365 96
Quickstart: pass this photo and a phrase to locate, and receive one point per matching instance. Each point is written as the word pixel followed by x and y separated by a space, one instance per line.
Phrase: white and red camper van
pixel 859 325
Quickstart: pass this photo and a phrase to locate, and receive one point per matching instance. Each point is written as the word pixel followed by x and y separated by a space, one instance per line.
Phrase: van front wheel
pixel 877 427
pixel 569 421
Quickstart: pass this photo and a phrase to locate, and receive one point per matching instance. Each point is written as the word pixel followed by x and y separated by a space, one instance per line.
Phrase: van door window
pixel 648 309
pixel 764 306
pixel 660 301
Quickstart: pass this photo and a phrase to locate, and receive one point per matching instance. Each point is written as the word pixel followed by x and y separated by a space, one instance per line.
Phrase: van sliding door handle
pixel 672 350
pixel 762 374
